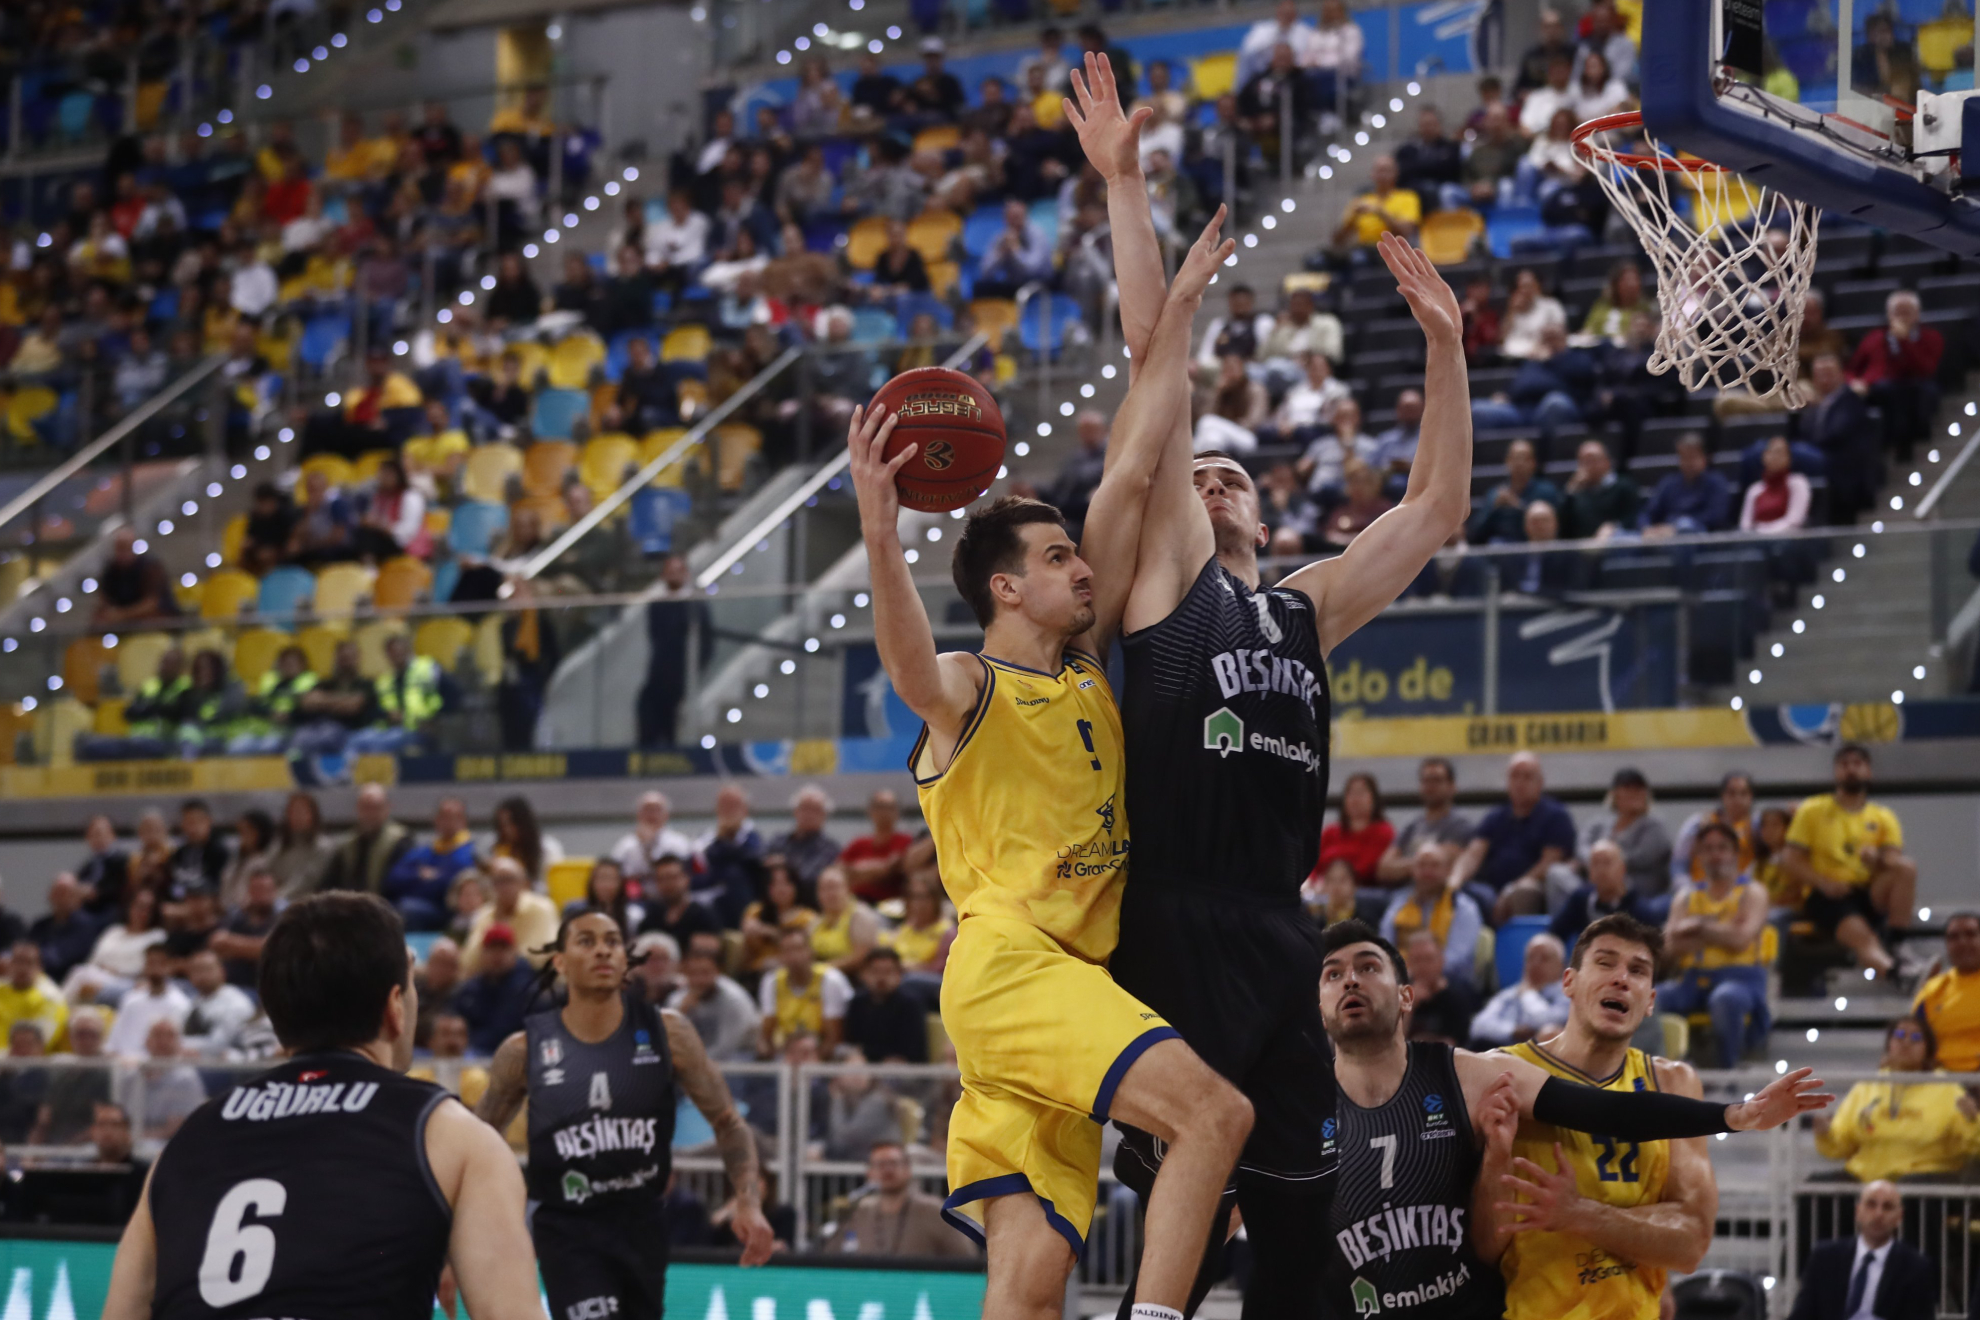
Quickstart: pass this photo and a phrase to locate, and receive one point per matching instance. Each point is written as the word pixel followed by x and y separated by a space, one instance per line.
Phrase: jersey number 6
pixel 240 1257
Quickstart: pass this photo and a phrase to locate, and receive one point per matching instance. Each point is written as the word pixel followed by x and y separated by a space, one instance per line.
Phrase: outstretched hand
pixel 873 474
pixel 1782 1099
pixel 1430 299
pixel 1109 135
pixel 1552 1202
pixel 1496 1116
pixel 1205 255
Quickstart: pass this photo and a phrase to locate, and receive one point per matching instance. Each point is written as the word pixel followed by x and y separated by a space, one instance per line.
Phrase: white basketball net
pixel 1733 265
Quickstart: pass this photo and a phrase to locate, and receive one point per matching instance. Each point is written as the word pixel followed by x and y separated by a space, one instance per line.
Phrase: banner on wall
pixel 53 1279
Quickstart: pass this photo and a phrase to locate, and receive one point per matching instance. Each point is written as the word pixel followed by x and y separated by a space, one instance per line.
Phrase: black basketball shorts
pixel 610 1266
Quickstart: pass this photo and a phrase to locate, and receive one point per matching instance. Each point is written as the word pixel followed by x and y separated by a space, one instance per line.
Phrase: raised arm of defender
pixel 1352 588
pixel 1638 1115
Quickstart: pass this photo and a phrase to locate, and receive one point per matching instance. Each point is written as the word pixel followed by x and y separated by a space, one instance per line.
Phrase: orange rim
pixel 1634 160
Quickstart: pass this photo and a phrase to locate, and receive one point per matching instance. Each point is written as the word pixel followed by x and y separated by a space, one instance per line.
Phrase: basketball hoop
pixel 1733 261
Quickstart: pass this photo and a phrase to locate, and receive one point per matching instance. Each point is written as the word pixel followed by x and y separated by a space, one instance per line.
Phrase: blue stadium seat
pixel 871 325
pixel 981 229
pixel 1509 955
pixel 284 590
pixel 475 526
pixel 1063 312
pixel 618 350
pixel 1046 216
pixel 654 512
pixel 556 413
pixel 446 576
pixel 1508 224
pixel 823 235
pixel 320 337
pixel 73 115
pixel 911 305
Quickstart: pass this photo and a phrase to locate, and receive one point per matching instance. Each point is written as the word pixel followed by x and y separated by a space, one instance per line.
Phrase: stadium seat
pixel 866 242
pixel 226 593
pixel 938 137
pixel 566 880
pixel 476 525
pixel 654 512
pixel 545 466
pixel 552 514
pixel 555 413
pixel 688 343
pixel 658 443
pixel 735 445
pixel 910 305
pixel 1213 75
pixel 443 640
pixel 1508 225
pixel 1677 1034
pixel 27 406
pixel 943 277
pixel 488 650
pixel 137 658
pixel 335 470
pixel 573 359
pixel 531 359
pixel 486 475
pixel 255 651
pixel 933 233
pixel 1060 312
pixel 446 576
pixel 368 463
pixel 993 317
pixel 1511 951
pixel 400 584
pixel 82 668
pixel 871 325
pixel 340 588
pixel 319 643
pixel 438 519
pixel 603 465
pixel 1447 236
pixel 285 591
pixel 232 537
pixel 321 337
pixel 981 229
pixel 371 640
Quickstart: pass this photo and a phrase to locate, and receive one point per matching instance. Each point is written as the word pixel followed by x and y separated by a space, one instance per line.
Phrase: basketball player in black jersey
pixel 331 1186
pixel 599 1074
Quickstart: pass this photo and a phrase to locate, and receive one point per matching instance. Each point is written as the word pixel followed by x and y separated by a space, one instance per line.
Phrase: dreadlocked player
pixel 599 1074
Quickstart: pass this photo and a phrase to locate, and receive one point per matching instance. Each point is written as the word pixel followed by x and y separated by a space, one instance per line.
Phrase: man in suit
pixel 1871 1274
pixel 1838 423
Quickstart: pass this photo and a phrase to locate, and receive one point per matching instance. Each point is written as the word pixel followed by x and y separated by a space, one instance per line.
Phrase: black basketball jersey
pixel 1225 714
pixel 303 1192
pixel 1401 1216
pixel 601 1117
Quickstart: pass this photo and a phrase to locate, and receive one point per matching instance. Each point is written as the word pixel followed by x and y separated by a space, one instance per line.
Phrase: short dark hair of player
pixel 1625 928
pixel 1719 828
pixel 328 969
pixel 1356 931
pixel 992 543
pixel 1851 749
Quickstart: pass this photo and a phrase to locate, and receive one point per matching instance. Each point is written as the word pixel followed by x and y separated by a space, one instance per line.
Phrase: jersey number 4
pixel 1608 1168
pixel 240 1256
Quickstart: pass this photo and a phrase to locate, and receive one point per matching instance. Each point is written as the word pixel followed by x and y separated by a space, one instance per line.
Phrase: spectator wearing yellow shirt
pixel 29 996
pixel 273 158
pixel 1385 209
pixel 925 933
pixel 1849 852
pixel 382 152
pixel 528 119
pixel 1950 1002
pixel 351 159
pixel 1897 1129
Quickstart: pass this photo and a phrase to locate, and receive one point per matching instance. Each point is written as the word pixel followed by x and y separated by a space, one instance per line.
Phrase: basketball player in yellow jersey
pixel 1591 1225
pixel 1020 769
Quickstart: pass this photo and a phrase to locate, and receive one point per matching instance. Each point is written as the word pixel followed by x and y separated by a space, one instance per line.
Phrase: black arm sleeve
pixel 1627 1115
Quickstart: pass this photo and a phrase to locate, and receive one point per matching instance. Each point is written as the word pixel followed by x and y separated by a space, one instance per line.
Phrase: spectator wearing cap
pixel 530 917
pixel 1607 891
pixel 1645 843
pixel 1441 822
pixel 1712 940
pixel 1506 862
pixel 1950 1001
pixel 1849 852
pixel 494 1000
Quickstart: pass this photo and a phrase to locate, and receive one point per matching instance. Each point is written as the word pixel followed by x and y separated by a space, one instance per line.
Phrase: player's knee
pixel 1222 1114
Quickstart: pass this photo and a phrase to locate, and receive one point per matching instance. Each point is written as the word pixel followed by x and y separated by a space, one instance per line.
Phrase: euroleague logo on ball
pixel 939 455
pixel 940 405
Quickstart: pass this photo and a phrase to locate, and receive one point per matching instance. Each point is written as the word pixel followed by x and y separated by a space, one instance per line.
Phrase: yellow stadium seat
pixel 110 720
pixel 371 640
pixel 400 584
pixel 531 358
pixel 63 720
pixel 438 520
pixel 658 443
pixel 993 317
pixel 1447 236
pixel 26 407
pixel 1214 75
pixel 687 343
pixel 933 233
pixel 319 643
pixel 255 651
pixel 866 242
pixel 368 463
pixel 187 597
pixel 82 669
pixel 489 467
pixel 443 639
pixel 137 657
pixel 545 465
pixel 232 537
pixel 340 588
pixel 1677 1034
pixel 603 395
pixel 735 445
pixel 573 360
pixel 150 100
pixel 942 137
pixel 942 277
pixel 206 639
pixel 488 648
pixel 552 514
pixel 566 880
pixel 334 469
pixel 224 594
pixel 602 466
pixel 1939 42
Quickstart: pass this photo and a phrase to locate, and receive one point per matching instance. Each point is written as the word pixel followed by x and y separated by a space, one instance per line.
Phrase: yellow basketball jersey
pixel 1029 818
pixel 1698 902
pixel 1558 1276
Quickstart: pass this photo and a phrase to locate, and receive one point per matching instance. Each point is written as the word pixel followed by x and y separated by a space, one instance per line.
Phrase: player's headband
pixel 1219 461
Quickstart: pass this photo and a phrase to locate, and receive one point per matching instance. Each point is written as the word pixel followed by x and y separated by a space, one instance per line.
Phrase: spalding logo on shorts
pixel 939 405
pixel 939 455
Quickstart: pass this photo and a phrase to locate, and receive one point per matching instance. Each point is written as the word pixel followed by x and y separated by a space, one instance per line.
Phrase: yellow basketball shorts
pixel 1043 1039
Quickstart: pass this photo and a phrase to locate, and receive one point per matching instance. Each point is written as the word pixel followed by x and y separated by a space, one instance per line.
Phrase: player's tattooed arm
pixel 1111 138
pixel 1356 585
pixel 508 1083
pixel 134 1273
pixel 941 689
pixel 1157 404
pixel 734 1142
pixel 1495 1119
pixel 1671 1234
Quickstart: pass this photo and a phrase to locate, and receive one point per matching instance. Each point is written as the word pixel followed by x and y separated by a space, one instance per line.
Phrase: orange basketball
pixel 958 429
